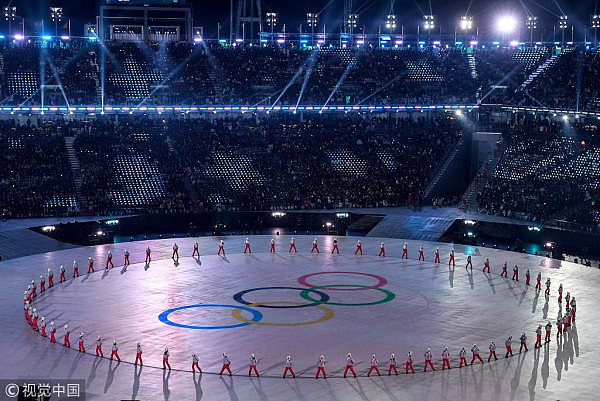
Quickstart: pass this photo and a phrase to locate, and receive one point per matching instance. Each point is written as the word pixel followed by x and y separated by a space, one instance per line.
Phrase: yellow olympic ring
pixel 327 314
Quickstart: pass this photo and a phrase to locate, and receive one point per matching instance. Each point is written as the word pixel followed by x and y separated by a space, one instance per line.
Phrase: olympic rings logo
pixel 305 293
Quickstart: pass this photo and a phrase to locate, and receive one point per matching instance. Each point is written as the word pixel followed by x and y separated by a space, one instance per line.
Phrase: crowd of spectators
pixel 86 73
pixel 548 172
pixel 35 176
pixel 145 164
pixel 128 167
pixel 319 162
pixel 261 75
pixel 70 73
pixel 259 162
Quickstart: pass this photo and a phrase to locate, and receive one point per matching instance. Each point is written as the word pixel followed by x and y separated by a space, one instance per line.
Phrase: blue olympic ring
pixel 238 297
pixel 164 317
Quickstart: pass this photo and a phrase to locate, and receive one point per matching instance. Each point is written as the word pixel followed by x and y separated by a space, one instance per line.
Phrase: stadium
pixel 343 200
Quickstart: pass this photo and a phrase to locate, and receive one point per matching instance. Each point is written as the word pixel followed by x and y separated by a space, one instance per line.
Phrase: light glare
pixel 507 24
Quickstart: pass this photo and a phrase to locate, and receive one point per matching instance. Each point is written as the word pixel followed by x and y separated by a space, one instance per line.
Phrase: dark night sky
pixel 372 12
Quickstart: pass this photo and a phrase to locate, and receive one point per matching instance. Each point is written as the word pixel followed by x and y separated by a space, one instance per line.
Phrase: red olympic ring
pixel 381 281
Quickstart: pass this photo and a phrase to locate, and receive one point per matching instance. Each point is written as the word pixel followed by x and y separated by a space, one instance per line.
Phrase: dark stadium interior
pixel 145 128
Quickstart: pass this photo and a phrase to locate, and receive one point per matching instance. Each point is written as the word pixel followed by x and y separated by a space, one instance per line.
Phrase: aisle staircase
pixel 412 226
pixel 472 65
pixel 540 70
pixel 94 63
pixel 187 182
pixel 442 169
pixel 491 162
pixel 170 144
pixel 216 84
pixel 364 224
pixel 75 168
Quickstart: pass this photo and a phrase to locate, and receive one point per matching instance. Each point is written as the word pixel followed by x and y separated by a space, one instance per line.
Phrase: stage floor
pixel 416 305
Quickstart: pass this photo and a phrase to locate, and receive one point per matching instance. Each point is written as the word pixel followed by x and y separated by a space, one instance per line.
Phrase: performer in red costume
pixel 314 246
pixel 358 247
pixel 349 365
pixel 321 367
pixel 226 364
pixel 288 367
pixel 335 246
pixel 374 367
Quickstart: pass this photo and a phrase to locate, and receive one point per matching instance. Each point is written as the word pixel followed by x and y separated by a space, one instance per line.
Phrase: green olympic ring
pixel 306 295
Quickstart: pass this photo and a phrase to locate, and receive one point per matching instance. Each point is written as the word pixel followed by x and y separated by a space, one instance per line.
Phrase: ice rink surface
pixel 419 305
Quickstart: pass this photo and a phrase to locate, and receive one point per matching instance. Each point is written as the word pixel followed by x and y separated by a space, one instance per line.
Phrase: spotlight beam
pixel 527 11
pixel 243 101
pixel 349 67
pixel 507 77
pixel 58 81
pixel 326 5
pixel 42 74
pixel 388 84
pixel 312 59
pixel 419 7
pixel 296 75
pixel 365 7
pixel 504 78
pixel 214 64
pixel 67 64
pixel 468 8
pixel 173 72
pixel 112 58
pixel 268 97
pixel 544 8
pixel 526 93
pixel 559 7
pixel 103 53
pixel 294 78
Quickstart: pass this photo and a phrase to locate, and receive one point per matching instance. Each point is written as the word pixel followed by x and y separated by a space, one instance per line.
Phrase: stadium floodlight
pixel 56 14
pixel 271 19
pixel 352 22
pixel 429 22
pixel 390 22
pixel 507 24
pixel 10 12
pixel 531 22
pixel 595 23
pixel 312 19
pixel 271 22
pixel 466 23
pixel 563 22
